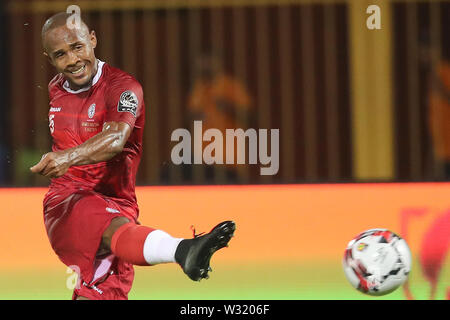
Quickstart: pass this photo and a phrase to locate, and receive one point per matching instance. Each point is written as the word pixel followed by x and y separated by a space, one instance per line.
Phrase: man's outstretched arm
pixel 101 147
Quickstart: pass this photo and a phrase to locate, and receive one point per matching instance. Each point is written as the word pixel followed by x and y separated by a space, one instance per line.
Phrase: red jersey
pixel 76 116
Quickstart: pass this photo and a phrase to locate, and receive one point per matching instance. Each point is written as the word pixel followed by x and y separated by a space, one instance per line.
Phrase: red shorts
pixel 115 285
pixel 75 222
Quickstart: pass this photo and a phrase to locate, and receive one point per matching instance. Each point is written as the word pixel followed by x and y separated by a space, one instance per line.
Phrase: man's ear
pixel 48 58
pixel 93 39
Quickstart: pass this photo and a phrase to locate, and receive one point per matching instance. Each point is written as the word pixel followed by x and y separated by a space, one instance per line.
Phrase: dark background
pixel 159 46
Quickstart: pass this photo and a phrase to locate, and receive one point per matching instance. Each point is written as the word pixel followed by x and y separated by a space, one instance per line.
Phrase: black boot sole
pixel 198 258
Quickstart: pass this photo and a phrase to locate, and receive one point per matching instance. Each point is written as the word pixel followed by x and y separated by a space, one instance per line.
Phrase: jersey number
pixel 51 123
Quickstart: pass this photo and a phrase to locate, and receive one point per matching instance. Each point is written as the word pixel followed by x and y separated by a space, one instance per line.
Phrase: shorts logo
pixel 91 111
pixel 111 210
pixel 128 102
pixel 93 287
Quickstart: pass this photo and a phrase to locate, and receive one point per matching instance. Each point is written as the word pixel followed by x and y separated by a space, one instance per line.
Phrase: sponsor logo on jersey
pixel 91 111
pixel 90 126
pixel 128 102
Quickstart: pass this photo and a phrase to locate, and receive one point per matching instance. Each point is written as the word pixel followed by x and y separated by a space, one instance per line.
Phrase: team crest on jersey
pixel 128 102
pixel 91 111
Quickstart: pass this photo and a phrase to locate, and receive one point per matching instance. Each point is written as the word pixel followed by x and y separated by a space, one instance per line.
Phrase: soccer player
pixel 96 120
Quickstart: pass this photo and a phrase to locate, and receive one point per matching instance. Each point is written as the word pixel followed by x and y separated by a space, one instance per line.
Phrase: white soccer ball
pixel 377 261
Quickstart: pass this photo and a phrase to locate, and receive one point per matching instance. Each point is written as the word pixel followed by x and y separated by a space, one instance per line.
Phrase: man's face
pixel 71 52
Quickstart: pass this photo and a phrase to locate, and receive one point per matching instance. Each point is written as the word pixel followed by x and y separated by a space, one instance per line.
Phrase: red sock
pixel 127 243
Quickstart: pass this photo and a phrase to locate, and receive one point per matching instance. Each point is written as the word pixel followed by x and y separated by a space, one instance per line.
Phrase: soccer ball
pixel 377 261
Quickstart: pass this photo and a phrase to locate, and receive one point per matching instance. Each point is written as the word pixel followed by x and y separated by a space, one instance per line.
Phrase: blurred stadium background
pixel 364 120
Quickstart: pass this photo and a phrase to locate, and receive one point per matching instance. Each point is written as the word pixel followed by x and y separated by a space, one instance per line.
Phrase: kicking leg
pixel 141 245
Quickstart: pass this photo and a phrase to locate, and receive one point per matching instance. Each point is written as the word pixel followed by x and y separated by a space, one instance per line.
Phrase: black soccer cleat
pixel 194 255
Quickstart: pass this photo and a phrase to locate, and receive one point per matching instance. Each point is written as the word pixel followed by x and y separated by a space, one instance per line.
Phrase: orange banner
pixel 274 223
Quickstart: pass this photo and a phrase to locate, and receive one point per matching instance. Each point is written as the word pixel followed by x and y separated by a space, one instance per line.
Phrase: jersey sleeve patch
pixel 128 102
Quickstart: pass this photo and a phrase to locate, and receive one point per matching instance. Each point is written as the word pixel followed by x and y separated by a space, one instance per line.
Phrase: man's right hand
pixel 52 164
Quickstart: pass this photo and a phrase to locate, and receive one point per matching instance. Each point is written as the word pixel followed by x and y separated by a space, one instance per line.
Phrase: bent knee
pixel 115 224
